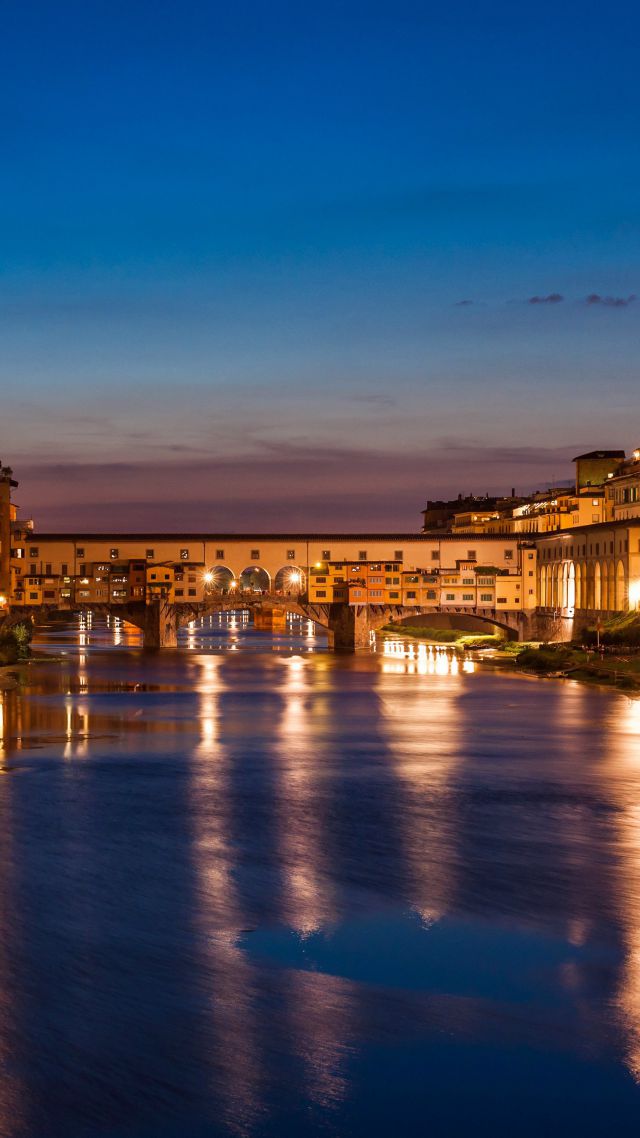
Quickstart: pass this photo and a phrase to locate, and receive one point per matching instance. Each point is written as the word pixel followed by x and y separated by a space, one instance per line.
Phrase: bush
pixel 14 643
pixel 545 659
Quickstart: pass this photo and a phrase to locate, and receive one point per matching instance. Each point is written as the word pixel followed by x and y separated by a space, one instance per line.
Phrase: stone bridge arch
pixel 254 579
pixel 290 580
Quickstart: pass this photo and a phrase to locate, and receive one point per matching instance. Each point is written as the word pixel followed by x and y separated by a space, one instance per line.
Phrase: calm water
pixel 249 888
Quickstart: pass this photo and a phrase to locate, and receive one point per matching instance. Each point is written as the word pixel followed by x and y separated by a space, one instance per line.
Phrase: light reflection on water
pixel 274 892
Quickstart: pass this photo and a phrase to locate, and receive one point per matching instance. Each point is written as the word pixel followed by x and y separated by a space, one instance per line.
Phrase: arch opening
pixel 290 581
pixel 463 622
pixel 219 579
pixel 254 579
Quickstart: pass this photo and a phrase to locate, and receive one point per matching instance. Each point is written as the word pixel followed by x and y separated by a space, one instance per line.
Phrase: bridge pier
pixel 349 627
pixel 160 628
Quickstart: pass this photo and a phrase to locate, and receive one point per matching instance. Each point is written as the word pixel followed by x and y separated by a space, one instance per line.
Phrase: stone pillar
pixel 348 627
pixel 160 624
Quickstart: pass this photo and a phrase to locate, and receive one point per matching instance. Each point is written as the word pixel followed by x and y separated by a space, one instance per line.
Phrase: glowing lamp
pixel 208 578
pixel 634 594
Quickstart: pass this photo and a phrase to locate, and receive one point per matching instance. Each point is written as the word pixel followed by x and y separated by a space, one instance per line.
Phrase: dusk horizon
pixel 296 490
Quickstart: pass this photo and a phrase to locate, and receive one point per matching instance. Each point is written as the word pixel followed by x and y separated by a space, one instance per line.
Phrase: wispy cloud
pixel 463 303
pixel 610 301
pixel 551 298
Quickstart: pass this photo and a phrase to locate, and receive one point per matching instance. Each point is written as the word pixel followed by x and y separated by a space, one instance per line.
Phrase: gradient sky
pixel 284 265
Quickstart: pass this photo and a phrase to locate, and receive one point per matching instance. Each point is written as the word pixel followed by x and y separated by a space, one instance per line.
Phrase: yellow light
pixel 318 565
pixel 295 578
pixel 634 594
pixel 208 578
pixel 233 584
pixel 3 601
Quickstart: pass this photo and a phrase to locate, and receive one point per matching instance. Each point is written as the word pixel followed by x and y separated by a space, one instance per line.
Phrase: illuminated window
pixel 184 554
pixel 291 555
pixel 114 554
pixel 508 555
pixel 326 555
pixel 150 554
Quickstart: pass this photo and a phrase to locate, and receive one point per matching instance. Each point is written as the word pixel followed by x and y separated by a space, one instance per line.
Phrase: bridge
pixel 348 627
pixel 350 584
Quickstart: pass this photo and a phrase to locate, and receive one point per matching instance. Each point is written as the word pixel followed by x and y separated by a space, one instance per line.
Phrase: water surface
pixel 252 888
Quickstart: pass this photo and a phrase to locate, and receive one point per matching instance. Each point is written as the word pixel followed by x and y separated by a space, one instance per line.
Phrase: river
pixel 252 888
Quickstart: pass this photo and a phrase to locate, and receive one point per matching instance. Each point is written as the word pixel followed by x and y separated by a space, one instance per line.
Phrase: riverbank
pixel 566 661
pixel 555 661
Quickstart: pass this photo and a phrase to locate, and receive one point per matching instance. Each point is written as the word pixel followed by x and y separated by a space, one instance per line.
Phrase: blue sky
pixel 236 241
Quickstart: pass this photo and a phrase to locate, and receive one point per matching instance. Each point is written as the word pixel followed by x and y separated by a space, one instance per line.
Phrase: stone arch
pixel 571 586
pixel 604 586
pixel 290 579
pixel 579 585
pixel 219 579
pixel 254 579
pixel 557 586
pixel 544 583
pixel 611 596
pixel 621 588
pixel 589 583
pixel 468 621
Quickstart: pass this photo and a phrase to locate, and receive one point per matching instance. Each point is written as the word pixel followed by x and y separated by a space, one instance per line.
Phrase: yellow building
pixel 160 582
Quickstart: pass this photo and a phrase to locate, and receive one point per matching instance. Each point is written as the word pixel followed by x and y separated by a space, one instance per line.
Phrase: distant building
pixel 594 468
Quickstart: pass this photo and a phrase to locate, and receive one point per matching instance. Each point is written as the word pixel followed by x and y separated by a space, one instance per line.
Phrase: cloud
pixel 463 303
pixel 610 301
pixel 552 298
